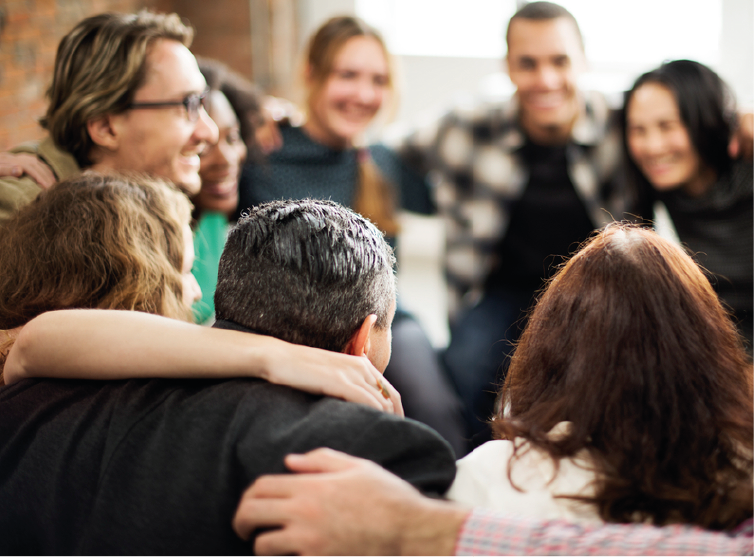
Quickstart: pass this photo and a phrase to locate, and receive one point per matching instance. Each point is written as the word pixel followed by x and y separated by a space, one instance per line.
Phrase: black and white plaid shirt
pixel 472 155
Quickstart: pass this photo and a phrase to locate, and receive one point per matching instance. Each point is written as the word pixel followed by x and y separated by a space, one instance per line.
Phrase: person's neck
pixel 317 133
pixel 555 135
pixel 102 163
pixel 548 136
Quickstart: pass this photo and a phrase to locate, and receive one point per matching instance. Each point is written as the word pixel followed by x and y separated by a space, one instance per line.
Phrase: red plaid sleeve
pixel 489 533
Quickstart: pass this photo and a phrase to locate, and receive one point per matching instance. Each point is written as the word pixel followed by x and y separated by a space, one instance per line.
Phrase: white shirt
pixel 482 481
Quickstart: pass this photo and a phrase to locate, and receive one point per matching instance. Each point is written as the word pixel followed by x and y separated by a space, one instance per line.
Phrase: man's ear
pixel 359 343
pixel 104 132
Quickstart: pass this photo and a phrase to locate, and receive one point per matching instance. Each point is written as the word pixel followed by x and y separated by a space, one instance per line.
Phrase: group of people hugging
pixel 598 380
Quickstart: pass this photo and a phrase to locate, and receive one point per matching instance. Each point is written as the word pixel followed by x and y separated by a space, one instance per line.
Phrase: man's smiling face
pixel 545 58
pixel 164 141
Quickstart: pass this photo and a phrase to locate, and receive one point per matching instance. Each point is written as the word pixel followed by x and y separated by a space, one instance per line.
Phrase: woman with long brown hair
pixel 628 399
pixel 110 242
pixel 99 241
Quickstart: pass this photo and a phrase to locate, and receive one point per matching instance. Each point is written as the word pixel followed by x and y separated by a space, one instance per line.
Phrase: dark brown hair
pixel 630 344
pixel 375 195
pixel 244 97
pixel 542 11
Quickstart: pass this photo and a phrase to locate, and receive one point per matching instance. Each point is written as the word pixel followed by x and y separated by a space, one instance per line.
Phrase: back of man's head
pixel 540 11
pixel 98 67
pixel 308 272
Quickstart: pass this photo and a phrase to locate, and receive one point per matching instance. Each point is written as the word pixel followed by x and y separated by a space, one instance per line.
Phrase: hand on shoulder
pixel 18 164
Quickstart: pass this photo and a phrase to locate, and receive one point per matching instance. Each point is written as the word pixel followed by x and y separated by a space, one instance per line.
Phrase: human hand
pixel 322 372
pixel 343 505
pixel 18 164
pixel 742 144
pixel 274 112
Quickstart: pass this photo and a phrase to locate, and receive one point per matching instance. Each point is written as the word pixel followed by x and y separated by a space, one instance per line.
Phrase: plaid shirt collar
pixel 588 130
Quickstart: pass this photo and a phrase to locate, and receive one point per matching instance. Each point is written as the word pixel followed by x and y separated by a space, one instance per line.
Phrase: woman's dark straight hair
pixel 707 109
pixel 630 344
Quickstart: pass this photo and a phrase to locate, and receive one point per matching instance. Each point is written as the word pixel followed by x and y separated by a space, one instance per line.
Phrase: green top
pixel 209 240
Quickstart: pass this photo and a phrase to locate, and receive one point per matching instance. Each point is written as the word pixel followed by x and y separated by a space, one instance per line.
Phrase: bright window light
pixel 646 32
pixel 630 35
pixel 468 28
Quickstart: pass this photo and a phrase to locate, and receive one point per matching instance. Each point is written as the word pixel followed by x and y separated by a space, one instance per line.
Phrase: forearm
pixel 337 504
pixel 107 344
pixel 430 527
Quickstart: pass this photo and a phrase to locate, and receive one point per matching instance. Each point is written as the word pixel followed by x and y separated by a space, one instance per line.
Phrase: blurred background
pixel 446 50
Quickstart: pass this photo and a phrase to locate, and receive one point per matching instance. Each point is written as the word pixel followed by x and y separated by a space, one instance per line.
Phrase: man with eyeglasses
pixel 126 95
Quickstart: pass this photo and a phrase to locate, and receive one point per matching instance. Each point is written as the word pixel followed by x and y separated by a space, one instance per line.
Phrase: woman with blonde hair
pixel 349 81
pixel 101 242
pixel 628 399
pixel 111 242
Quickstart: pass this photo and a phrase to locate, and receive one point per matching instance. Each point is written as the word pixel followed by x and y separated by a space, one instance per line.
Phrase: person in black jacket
pixel 158 466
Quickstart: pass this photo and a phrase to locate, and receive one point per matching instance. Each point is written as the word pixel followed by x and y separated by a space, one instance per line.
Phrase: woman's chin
pixel 225 205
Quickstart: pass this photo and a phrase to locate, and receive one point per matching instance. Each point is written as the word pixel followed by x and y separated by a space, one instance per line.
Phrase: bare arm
pixel 343 505
pixel 109 344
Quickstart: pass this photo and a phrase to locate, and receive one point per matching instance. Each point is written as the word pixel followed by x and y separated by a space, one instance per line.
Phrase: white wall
pixel 737 49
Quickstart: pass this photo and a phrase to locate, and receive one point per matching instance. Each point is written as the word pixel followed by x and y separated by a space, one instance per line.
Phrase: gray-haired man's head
pixel 313 273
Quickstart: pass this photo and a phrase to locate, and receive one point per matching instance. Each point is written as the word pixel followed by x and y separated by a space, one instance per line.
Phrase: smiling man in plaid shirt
pixel 519 184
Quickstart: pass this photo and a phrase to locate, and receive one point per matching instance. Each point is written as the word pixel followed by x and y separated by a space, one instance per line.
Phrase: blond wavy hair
pixel 99 66
pixel 94 241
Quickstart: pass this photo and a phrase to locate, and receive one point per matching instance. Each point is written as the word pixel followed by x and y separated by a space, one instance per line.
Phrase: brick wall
pixel 31 29
pixel 222 29
pixel 29 34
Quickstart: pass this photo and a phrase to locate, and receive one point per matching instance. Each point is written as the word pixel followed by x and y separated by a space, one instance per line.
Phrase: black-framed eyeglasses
pixel 193 103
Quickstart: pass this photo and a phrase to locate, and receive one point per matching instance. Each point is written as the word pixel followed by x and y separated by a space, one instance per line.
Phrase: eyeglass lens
pixel 193 103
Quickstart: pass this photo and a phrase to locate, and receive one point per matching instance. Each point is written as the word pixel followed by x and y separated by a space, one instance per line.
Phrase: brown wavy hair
pixel 630 344
pixel 375 196
pixel 99 66
pixel 95 241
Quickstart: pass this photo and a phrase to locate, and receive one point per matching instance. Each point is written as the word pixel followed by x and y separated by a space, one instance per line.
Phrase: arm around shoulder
pixel 112 344
pixel 408 449
pixel 337 504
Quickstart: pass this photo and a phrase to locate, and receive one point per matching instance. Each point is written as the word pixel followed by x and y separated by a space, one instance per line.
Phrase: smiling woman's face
pixel 659 142
pixel 354 92
pixel 221 162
